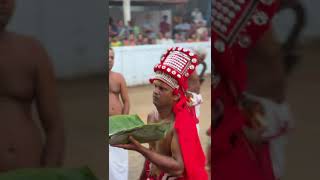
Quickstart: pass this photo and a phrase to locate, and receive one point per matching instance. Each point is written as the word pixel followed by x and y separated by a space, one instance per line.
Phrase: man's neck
pixel 164 113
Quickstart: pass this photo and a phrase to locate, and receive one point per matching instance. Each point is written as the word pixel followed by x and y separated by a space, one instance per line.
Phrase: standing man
pixel 194 83
pixel 118 158
pixel 27 76
pixel 172 157
pixel 269 89
pixel 164 26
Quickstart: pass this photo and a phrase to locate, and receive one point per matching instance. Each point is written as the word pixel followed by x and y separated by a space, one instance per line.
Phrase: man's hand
pixel 134 145
pixel 254 135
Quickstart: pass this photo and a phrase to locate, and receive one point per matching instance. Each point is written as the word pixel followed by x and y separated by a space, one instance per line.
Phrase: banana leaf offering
pixel 49 174
pixel 123 126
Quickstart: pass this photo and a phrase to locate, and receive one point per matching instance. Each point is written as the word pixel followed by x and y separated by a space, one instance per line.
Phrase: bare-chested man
pixel 171 157
pixel 118 158
pixel 117 89
pixel 26 76
pixel 268 67
pixel 267 85
pixel 194 83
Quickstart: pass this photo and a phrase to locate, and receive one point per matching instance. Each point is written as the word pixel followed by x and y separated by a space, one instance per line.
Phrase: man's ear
pixel 176 97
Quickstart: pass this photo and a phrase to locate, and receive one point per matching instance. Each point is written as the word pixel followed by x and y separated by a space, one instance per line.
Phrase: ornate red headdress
pixel 174 69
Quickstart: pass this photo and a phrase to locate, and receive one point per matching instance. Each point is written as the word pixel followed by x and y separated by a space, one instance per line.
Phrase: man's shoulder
pixel 152 117
pixel 23 39
pixel 116 75
pixel 26 43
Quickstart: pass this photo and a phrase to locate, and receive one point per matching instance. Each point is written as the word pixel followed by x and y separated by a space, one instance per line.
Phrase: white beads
pixel 219 45
pixel 244 41
pixel 260 18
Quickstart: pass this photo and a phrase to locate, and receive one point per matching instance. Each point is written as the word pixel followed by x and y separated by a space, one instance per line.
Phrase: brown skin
pixel 266 71
pixel 266 76
pixel 117 89
pixel 194 83
pixel 27 76
pixel 165 154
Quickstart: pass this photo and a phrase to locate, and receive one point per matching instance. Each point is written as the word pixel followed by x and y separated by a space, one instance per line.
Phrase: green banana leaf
pixel 49 174
pixel 123 126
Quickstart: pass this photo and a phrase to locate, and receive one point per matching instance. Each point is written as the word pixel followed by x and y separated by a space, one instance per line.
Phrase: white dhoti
pixel 118 164
pixel 279 120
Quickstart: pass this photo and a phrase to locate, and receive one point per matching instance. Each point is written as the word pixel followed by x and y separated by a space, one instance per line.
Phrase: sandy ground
pixel 84 107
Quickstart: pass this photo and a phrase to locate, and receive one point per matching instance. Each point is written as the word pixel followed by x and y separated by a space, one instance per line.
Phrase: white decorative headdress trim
pixel 167 79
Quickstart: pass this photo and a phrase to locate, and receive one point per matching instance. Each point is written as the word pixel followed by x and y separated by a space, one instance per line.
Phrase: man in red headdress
pixel 179 154
pixel 237 26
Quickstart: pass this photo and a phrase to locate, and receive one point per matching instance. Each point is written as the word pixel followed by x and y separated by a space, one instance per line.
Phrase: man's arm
pixel 48 109
pixel 124 96
pixel 173 165
pixel 194 83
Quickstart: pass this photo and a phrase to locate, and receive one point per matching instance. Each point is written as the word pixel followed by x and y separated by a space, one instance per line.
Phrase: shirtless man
pixel 267 85
pixel 117 89
pixel 27 76
pixel 172 158
pixel 269 89
pixel 194 83
pixel 118 158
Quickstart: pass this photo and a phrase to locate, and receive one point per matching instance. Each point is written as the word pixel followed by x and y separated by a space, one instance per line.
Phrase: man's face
pixel 6 11
pixel 162 95
pixel 111 59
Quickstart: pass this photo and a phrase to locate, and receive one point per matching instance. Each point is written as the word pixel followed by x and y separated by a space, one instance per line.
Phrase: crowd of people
pixel 193 29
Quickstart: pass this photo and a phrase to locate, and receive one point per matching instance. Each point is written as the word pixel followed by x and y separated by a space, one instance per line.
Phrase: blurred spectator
pixel 122 30
pixel 178 38
pixel 197 17
pixel 183 27
pixel 145 41
pixel 164 39
pixel 133 28
pixel 113 30
pixel 164 26
pixel 115 42
pixel 140 39
pixel 184 30
pixel 148 28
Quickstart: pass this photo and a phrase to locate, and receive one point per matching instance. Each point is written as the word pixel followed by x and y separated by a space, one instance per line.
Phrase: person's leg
pixel 118 164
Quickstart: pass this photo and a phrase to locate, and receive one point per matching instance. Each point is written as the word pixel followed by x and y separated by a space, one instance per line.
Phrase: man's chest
pixel 114 85
pixel 17 73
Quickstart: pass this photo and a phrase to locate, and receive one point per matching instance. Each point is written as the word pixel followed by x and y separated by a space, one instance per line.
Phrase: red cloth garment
pixel 192 152
pixel 236 28
pixel 193 111
pixel 162 176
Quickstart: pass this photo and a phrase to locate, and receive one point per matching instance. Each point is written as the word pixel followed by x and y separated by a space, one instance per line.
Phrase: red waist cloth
pixel 160 177
pixel 233 157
